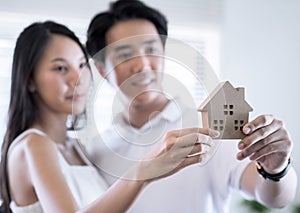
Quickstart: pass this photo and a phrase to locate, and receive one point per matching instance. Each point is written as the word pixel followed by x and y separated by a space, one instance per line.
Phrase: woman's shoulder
pixel 31 147
pixel 33 160
pixel 34 140
pixel 30 140
pixel 32 153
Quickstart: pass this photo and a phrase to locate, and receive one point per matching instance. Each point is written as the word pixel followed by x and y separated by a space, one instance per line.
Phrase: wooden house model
pixel 226 111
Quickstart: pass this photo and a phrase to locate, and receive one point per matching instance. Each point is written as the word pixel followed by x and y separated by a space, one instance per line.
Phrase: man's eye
pixel 124 56
pixel 151 50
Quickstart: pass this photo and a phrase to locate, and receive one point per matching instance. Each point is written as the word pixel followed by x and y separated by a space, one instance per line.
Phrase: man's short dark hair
pixel 122 10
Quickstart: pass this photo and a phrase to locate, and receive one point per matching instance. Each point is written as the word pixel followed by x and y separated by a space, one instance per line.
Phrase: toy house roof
pixel 227 93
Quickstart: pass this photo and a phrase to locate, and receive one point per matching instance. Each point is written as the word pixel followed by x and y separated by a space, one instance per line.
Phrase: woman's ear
pixel 100 68
pixel 31 86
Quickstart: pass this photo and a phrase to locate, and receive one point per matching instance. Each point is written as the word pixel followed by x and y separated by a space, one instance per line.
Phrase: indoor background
pixel 254 44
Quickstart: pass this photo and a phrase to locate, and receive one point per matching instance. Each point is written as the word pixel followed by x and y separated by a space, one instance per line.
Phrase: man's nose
pixel 141 63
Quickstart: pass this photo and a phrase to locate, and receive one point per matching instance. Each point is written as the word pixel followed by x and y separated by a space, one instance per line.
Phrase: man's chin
pixel 142 98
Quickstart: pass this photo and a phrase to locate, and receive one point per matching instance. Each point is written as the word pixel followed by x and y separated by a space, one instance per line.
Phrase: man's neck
pixel 137 114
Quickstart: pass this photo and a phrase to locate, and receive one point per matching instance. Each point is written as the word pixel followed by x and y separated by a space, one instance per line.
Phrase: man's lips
pixel 143 83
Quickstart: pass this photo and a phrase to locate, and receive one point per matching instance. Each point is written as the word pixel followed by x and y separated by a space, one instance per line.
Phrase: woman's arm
pixel 46 176
pixel 169 156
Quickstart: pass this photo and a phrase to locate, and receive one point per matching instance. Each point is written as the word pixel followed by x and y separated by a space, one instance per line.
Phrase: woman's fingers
pixel 187 140
pixel 194 159
pixel 188 131
pixel 180 148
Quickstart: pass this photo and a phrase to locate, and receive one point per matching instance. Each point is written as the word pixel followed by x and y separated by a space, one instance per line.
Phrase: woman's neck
pixel 54 126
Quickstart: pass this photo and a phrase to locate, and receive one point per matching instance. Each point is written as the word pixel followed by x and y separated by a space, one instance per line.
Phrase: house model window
pixel 226 111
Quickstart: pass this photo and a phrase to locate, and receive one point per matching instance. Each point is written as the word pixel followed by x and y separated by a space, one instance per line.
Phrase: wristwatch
pixel 273 177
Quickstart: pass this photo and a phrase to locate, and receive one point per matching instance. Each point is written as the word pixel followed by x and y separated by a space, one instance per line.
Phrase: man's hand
pixel 267 142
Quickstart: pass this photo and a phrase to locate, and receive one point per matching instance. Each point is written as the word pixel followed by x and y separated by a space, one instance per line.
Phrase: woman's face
pixel 62 77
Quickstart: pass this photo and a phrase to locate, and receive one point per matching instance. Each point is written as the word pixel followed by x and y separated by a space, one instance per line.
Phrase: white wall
pixel 261 43
pixel 261 51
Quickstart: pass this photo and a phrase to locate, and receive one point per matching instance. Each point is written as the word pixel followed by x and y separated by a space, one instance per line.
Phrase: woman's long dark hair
pixel 22 111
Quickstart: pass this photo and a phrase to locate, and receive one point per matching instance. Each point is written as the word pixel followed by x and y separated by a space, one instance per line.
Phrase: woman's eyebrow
pixel 64 60
pixel 58 59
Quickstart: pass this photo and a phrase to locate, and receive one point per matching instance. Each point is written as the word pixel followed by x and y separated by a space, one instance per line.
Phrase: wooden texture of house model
pixel 226 111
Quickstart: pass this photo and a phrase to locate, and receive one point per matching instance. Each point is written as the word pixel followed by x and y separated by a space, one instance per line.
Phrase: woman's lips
pixel 75 97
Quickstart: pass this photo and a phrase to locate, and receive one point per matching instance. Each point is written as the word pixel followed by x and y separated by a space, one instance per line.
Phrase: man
pixel 134 37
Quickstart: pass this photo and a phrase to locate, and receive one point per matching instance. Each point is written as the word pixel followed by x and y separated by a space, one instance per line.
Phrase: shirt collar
pixel 171 112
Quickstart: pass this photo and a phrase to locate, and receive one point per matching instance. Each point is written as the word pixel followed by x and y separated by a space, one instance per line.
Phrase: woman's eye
pixel 82 65
pixel 61 68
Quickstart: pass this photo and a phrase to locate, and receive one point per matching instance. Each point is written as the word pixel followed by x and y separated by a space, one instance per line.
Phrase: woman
pixel 42 170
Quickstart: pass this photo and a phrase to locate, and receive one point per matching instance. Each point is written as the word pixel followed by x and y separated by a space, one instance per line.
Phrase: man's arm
pixel 268 143
pixel 269 193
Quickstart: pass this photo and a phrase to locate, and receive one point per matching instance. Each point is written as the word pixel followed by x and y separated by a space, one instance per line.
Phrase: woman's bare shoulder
pixel 31 142
pixel 28 156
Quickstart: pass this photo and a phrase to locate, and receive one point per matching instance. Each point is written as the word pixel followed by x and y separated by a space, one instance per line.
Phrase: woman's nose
pixel 74 78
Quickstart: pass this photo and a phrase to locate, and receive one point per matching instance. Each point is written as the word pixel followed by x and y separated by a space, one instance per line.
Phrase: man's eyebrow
pixel 152 41
pixel 128 46
pixel 122 47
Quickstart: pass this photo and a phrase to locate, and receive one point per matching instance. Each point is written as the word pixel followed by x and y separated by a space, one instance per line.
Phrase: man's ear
pixel 100 68
pixel 31 86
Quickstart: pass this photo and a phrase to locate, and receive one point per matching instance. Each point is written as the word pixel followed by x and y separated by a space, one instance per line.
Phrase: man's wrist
pixel 273 177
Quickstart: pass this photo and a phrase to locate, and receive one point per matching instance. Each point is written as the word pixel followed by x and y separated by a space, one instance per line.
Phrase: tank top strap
pixel 23 134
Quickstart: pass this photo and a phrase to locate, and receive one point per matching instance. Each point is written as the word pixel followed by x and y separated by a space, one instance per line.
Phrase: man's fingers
pixel 276 147
pixel 260 121
pixel 262 133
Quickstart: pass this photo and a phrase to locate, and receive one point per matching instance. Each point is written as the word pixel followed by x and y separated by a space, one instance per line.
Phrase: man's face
pixel 134 57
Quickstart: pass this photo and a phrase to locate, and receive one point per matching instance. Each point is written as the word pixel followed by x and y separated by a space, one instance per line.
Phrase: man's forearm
pixel 276 194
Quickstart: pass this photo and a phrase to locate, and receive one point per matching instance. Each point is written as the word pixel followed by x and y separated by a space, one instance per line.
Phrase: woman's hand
pixel 177 150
